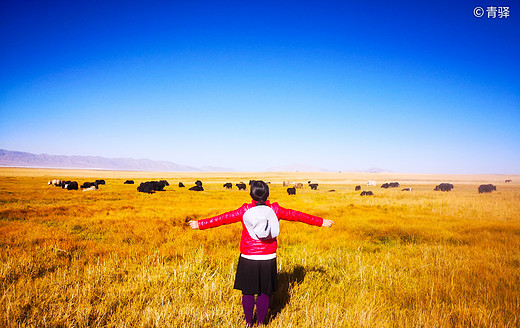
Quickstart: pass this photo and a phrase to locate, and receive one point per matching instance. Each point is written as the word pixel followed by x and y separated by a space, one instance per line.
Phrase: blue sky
pixel 408 86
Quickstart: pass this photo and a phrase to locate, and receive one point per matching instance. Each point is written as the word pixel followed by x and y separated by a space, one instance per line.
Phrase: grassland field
pixel 119 258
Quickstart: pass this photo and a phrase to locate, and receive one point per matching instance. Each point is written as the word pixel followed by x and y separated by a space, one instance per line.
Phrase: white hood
pixel 261 222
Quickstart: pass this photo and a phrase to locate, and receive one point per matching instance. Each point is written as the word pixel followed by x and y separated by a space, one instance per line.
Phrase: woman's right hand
pixel 327 223
pixel 194 224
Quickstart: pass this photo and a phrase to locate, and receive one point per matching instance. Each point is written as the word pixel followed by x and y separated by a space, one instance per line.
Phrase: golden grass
pixel 119 258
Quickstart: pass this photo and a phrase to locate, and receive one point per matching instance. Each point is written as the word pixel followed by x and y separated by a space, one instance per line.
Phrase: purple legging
pixel 262 305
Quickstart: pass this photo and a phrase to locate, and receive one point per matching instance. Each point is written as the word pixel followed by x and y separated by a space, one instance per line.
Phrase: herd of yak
pixel 151 187
pixel 73 185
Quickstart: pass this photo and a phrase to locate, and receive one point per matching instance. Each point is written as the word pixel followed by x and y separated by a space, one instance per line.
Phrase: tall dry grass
pixel 119 258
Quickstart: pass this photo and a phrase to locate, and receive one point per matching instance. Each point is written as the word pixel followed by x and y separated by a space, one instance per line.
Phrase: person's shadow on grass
pixel 286 281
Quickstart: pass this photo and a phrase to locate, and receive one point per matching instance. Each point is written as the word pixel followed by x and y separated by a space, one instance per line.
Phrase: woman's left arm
pixel 292 215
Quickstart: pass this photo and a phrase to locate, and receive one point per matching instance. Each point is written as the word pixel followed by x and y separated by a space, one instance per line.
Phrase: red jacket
pixel 248 245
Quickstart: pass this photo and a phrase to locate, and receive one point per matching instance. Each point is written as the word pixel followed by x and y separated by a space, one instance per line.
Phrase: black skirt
pixel 255 277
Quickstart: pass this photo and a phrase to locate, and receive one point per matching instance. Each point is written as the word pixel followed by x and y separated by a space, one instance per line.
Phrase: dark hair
pixel 259 191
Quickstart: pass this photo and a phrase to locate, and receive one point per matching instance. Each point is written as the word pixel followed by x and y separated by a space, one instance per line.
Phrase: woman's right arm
pixel 226 218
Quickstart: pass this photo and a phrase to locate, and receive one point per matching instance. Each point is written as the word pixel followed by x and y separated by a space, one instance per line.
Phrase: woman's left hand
pixel 327 223
pixel 194 224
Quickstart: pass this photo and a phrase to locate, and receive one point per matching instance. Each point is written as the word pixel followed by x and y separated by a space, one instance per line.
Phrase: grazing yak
pixel 100 182
pixel 146 187
pixel 287 183
pixel 291 191
pixel 241 186
pixel 407 189
pixel 298 185
pixel 91 188
pixel 69 185
pixel 72 186
pixel 444 187
pixel 181 185
pixel 152 186
pixel 314 186
pixel 197 187
pixel 357 188
pixel 486 188
pixel 371 183
pixel 507 181
pixel 89 184
pixel 129 182
pixel 228 185
pixel 367 193
pixel 55 183
pixel 390 185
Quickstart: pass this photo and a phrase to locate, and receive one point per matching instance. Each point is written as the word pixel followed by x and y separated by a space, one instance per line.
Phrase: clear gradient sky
pixel 408 86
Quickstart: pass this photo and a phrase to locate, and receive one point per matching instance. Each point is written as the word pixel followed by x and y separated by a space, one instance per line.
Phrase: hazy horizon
pixel 209 169
pixel 422 88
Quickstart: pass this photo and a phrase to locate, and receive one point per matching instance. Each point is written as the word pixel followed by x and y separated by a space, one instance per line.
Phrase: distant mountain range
pixel 23 159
